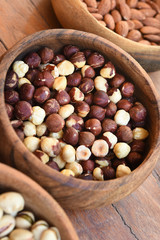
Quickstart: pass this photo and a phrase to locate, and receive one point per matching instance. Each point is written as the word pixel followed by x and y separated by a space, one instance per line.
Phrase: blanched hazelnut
pixel 41 130
pixel 110 138
pixel 117 80
pixel 62 97
pixel 29 129
pixel 111 109
pixel 60 83
pixel 87 165
pixel 134 159
pixel 78 59
pixel 86 138
pixel 42 156
pixel 98 174
pixel 22 81
pixel 97 112
pixel 11 81
pixel 82 109
pixel 23 110
pixel 75 167
pixel 100 148
pixel 70 136
pixel 51 146
pixel 68 153
pixel 55 122
pixel 59 161
pixel 83 153
pixel 58 58
pixel 108 172
pixel 100 98
pixel 11 97
pixel 65 68
pixel 68 172
pixel 20 68
pixel 140 133
pixel 114 95
pixel 109 125
pixel 41 94
pixel 103 162
pixel 94 126
pixel 32 143
pixel 108 71
pixel 46 54
pixel 75 122
pixel 124 104
pixel 57 135
pixel 74 79
pixel 88 98
pixel 66 110
pixel 69 50
pixel 121 150
pixel 37 116
pixel 51 106
pixel 137 146
pixel 127 89
pixel 87 71
pixel 26 91
pixel 122 170
pixel 95 60
pixel 138 112
pixel 32 60
pixel 122 117
pixel 101 83
pixel 44 78
pixel 87 85
pixel 76 95
pixel 124 134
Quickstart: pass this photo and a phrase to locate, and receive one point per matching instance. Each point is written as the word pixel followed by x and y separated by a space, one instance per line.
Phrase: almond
pixel 134 35
pixel 149 30
pixel 125 11
pixel 138 24
pixel 104 7
pixel 122 28
pixel 154 44
pixel 132 3
pixel 91 3
pixel 113 4
pixel 151 37
pixel 158 16
pixel 97 16
pixel 116 16
pixel 146 42
pixel 131 24
pixel 102 23
pixel 151 22
pixel 155 6
pixel 109 20
pixel 142 5
pixel 149 12
pixel 137 14
pixel 92 10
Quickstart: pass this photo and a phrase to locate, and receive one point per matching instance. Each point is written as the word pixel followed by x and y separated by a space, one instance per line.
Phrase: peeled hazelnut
pixel 11 97
pixel 60 83
pixel 100 98
pixel 108 172
pixel 65 68
pixel 137 146
pixel 51 106
pixel 122 117
pixel 109 125
pixel 76 95
pixel 41 94
pixel 58 58
pixel 68 172
pixel 57 135
pixel 69 50
pixel 117 80
pixel 78 59
pixel 111 109
pixel 83 153
pixel 100 148
pixel 42 156
pixel 108 71
pixel 116 162
pixel 62 97
pixel 44 78
pixel 53 165
pixel 23 110
pixel 50 146
pixel 37 116
pixel 87 165
pixel 75 167
pixel 98 174
pixel 66 110
pixel 29 129
pixel 32 74
pixel 121 150
pixel 86 176
pixel 103 162
pixel 11 81
pixel 87 71
pixel 114 95
pixel 74 79
pixel 75 122
pixel 22 81
pixel 122 170
pixel 55 122
pixel 110 138
pixel 46 54
pixel 70 136
pixel 20 134
pixel 97 112
pixel 32 60
pixel 94 126
pixel 127 89
pixel 87 85
pixel 140 133
pixel 101 83
pixel 138 112
pixel 59 161
pixel 95 60
pixel 20 68
pixel 86 139
pixel 50 68
pixel 134 159
pixel 68 153
pixel 9 109
pixel 124 104
pixel 32 143
pixel 82 109
pixel 41 130
pixel 124 134
pixel 88 98
pixel 26 92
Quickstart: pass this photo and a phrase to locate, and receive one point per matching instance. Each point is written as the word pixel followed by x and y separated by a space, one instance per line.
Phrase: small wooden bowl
pixel 72 14
pixel 37 200
pixel 71 192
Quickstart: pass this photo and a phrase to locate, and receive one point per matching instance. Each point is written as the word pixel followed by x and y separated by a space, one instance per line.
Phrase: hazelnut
pixel 117 80
pixel 138 124
pixel 41 94
pixel 20 134
pixel 60 83
pixel 121 150
pixel 114 95
pixel 66 110
pixel 101 83
pixel 103 162
pixel 109 125
pixel 127 89
pixel 87 52
pixel 87 165
pixel 62 97
pixel 76 95
pixel 57 135
pixel 69 50
pixel 20 68
pixel 58 58
pixel 53 165
pixel 23 110
pixel 16 123
pixel 87 85
pixel 50 68
pixel 137 146
pixel 32 60
pixel 42 156
pixel 100 148
pixel 68 153
pixel 11 97
pixel 110 138
pixel 87 71
pixel 88 98
pixel 74 79
pixel 82 109
pixel 124 134
pixel 111 109
pixel 50 146
pixel 140 133
pixel 51 106
pixel 32 74
pixel 122 170
pixel 22 81
pixel 68 172
pixel 116 162
pixel 108 71
pixel 37 116
pixel 83 153
pixel 138 112
pixel 86 139
pixel 94 126
pixel 75 167
pixel 41 130
pixel 44 78
pixel 59 161
pixel 46 54
pixel 29 129
pixel 122 117
pixel 70 136
pixel 32 143
pixel 78 59
pixel 124 104
pixel 9 109
pixel 11 81
pixel 95 60
pixel 101 98
pixel 86 176
pixel 55 122
pixel 97 112
pixel 108 172
pixel 98 174
pixel 26 92
pixel 65 68
pixel 75 122
pixel 134 159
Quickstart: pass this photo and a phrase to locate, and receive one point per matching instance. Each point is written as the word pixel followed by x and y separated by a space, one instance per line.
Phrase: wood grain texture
pixel 37 200
pixel 75 16
pixel 87 194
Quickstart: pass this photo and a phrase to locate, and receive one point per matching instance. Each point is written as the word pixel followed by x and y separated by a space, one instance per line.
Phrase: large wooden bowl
pixel 37 200
pixel 71 192
pixel 72 14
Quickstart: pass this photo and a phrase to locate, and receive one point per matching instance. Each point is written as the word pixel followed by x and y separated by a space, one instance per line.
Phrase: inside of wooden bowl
pixel 72 192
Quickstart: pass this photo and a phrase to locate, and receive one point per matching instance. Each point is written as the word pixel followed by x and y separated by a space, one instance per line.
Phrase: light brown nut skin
pixel 46 54
pixel 95 60
pixel 23 110
pixel 94 126
pixel 86 139
pixel 11 81
pixel 70 136
pixel 51 106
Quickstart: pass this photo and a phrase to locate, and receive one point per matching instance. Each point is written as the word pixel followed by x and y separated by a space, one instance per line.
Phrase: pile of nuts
pixel 17 223
pixel 136 20
pixel 76 113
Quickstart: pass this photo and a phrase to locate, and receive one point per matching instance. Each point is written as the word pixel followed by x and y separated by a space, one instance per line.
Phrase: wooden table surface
pixel 138 215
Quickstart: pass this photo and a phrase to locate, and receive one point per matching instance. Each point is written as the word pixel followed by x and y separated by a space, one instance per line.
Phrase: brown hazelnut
pixel 58 58
pixel 95 60
pixel 55 122
pixel 75 122
pixel 138 124
pixel 88 72
pixel 86 138
pixel 111 109
pixel 70 136
pixel 100 98
pixel 33 60
pixel 42 94
pixel 82 109
pixel 23 110
pixel 53 165
pixel 127 89
pixel 134 159
pixel 74 79
pixel 9 109
pixel 46 54
pixel 32 74
pixel 11 81
pixel 44 78
pixel 16 123
pixel 94 126
pixel 109 125
pixel 108 173
pixel 86 176
pixel 87 85
pixel 26 91
pixel 69 50
pixel 88 166
pixel 97 112
pixel 137 146
pixel 76 95
pixel 124 134
pixel 138 112
pixel 78 59
pixel 124 104
pixel 116 162
pixel 62 97
pixel 51 106
pixel 108 71
pixel 117 80
pixel 87 52
pixel 20 134
pixel 11 97
pixel 88 98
